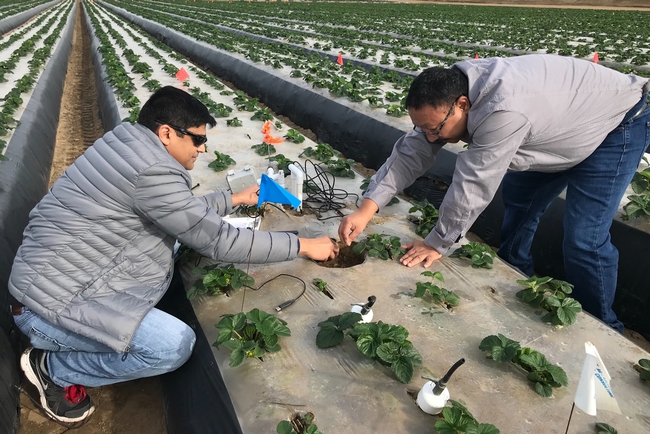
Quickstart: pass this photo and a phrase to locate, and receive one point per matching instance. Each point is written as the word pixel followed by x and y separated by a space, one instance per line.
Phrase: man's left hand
pixel 248 196
pixel 418 252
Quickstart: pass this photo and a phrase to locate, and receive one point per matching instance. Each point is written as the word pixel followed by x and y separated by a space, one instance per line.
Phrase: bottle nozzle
pixel 441 385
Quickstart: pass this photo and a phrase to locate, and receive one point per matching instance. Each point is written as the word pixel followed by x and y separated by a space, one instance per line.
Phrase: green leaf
pixel 367 345
pixel 558 374
pixel 543 389
pixel 234 344
pixel 444 427
pixel 238 321
pixel 403 369
pixel 408 350
pixel 236 358
pixel 644 363
pixel 373 253
pixel 358 248
pixel 568 311
pixel 388 352
pixel 534 360
pixel 329 337
pixel 270 340
pixel 256 316
pixel 348 320
pixel 284 427
pixel 396 333
pixel 552 300
pixel 604 428
pixel 420 289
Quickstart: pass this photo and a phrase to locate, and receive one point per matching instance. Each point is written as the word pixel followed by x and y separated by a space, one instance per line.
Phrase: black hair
pixel 179 108
pixel 437 87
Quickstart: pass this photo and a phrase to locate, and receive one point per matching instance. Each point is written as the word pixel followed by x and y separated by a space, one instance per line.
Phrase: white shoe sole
pixel 33 378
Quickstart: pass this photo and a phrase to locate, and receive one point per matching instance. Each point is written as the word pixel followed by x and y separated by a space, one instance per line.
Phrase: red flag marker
pixel 596 57
pixel 182 75
pixel 340 59
pixel 476 56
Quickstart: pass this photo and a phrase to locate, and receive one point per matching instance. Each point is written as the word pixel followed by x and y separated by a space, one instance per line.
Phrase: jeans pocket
pixel 42 341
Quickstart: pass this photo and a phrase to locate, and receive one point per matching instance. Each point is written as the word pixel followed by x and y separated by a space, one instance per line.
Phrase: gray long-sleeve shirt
pixel 536 112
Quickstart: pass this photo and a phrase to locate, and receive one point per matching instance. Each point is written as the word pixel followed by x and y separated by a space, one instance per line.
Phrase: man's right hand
pixel 318 249
pixel 353 224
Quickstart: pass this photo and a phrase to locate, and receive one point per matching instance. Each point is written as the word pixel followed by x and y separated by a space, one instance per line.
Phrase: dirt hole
pixel 345 259
pixel 327 293
pixel 301 421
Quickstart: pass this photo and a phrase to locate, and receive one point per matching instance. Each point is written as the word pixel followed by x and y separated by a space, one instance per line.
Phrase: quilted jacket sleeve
pixel 163 197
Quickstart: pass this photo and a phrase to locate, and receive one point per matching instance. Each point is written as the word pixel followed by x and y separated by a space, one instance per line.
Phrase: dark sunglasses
pixel 197 139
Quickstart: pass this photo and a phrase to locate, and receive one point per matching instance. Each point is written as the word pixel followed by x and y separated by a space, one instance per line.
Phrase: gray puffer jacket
pixel 97 253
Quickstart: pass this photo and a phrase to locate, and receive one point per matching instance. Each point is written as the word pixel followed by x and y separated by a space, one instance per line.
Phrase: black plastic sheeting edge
pixel 14 21
pixel 195 397
pixel 108 106
pixel 23 182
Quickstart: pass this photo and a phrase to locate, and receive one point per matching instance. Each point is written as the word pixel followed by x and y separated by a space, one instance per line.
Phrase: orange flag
pixel 476 56
pixel 340 59
pixel 268 138
pixel 596 57
pixel 182 75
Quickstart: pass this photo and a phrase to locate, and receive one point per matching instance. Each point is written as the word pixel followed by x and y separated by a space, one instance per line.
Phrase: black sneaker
pixel 66 404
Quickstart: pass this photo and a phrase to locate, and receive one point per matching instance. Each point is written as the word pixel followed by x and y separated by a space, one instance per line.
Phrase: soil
pixel 345 259
pixel 133 407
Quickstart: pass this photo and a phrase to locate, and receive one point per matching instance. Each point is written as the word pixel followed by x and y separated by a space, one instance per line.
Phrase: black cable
pixel 287 303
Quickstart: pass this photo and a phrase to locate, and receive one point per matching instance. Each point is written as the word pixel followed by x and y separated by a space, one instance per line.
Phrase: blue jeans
pixel 595 188
pixel 162 343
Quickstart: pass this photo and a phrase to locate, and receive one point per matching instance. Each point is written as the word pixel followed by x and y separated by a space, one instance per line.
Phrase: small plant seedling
pixel 366 183
pixel 480 254
pixel 218 280
pixel 221 162
pixel 381 246
pixel 263 115
pixel 396 110
pixel 438 295
pixel 234 122
pixel 283 162
pixel 321 285
pixel 294 136
pixel 552 295
pixel 298 424
pixel 323 152
pixel 152 85
pixel 638 206
pixel 427 219
pixel 457 419
pixel 603 428
pixel 250 335
pixel 249 105
pixel 278 125
pixel 341 167
pixel 226 92
pixel 250 210
pixel 263 149
pixel 643 367
pixel 641 181
pixel 385 343
pixel 545 375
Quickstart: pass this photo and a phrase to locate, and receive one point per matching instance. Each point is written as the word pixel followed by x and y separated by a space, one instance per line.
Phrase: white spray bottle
pixel 434 395
pixel 365 309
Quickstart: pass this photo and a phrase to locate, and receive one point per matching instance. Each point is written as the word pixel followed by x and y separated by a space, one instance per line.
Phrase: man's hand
pixel 318 249
pixel 418 252
pixel 248 196
pixel 353 224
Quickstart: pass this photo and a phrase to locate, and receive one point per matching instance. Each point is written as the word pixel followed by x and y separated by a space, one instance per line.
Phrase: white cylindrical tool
pixel 365 309
pixel 430 403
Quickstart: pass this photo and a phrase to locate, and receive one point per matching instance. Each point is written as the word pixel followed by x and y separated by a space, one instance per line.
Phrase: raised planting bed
pixel 15 14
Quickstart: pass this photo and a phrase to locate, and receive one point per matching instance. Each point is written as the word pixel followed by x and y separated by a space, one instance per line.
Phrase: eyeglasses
pixel 197 139
pixel 436 133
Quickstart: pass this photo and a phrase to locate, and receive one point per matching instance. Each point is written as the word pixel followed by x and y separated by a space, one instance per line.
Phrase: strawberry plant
pixel 545 375
pixel 283 162
pixel 152 85
pixel 385 343
pixel 323 152
pixel 278 125
pixel 218 280
pixel 438 295
pixel 341 167
pixel 638 206
pixel 457 419
pixel 294 136
pixel 603 428
pixel 263 149
pixel 381 246
pixel 480 254
pixel 250 335
pixel 643 367
pixel 250 105
pixel 298 425
pixel 427 219
pixel 221 162
pixel 262 115
pixel 552 295
pixel 234 122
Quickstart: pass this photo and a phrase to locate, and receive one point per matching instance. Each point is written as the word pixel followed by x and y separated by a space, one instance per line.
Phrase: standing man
pixel 96 256
pixel 545 122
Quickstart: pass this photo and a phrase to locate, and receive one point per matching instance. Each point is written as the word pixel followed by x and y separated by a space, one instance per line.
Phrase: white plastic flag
pixel 594 391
